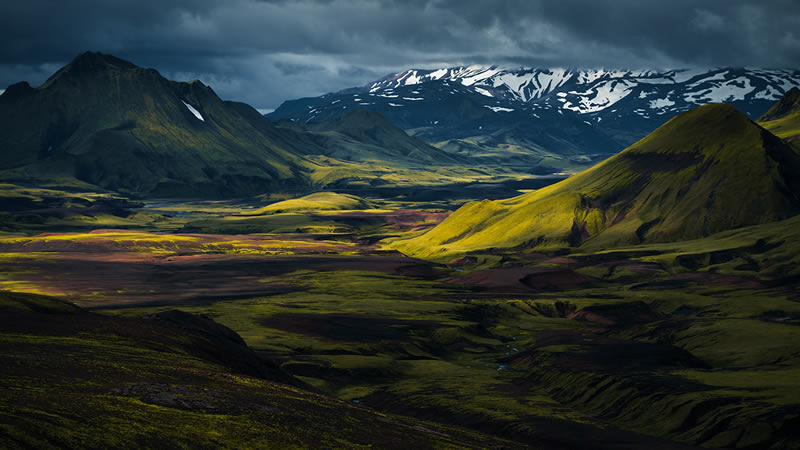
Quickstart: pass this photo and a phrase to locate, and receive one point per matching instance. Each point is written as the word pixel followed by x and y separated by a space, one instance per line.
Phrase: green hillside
pixel 319 201
pixel 705 171
pixel 107 122
pixel 783 119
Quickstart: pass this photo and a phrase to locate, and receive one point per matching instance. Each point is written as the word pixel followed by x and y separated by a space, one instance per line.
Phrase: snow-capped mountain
pixel 546 113
pixel 595 91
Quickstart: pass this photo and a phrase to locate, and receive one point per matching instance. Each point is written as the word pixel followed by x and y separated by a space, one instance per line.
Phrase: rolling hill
pixel 707 170
pixel 107 122
pixel 74 379
pixel 318 201
pixel 367 136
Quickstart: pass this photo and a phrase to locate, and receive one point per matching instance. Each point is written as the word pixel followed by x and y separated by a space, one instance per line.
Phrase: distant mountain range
pixel 705 171
pixel 103 121
pixel 550 117
pixel 365 136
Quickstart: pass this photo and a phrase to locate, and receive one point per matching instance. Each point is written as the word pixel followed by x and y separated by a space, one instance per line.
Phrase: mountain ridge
pixel 367 136
pixel 107 122
pixel 575 117
pixel 103 121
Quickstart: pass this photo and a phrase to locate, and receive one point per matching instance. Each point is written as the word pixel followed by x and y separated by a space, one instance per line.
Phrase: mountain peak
pixel 107 122
pixel 789 103
pixel 17 90
pixel 90 61
pixel 696 129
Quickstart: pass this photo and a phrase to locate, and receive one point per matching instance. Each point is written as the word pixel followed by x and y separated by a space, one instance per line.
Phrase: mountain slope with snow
pixel 109 123
pixel 538 116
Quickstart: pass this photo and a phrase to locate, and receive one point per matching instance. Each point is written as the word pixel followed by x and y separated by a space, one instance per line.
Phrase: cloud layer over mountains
pixel 267 51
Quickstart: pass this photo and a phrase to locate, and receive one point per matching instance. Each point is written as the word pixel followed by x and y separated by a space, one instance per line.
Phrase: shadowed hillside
pixel 74 379
pixel 365 136
pixel 110 123
pixel 705 171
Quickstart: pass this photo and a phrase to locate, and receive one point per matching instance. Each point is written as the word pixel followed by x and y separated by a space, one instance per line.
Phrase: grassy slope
pixel 783 119
pixel 770 250
pixel 616 352
pixel 571 359
pixel 79 380
pixel 706 171
pixel 413 346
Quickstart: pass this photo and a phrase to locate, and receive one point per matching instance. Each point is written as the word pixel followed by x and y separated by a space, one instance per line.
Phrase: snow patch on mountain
pixel 716 77
pixel 194 111
pixel 684 75
pixel 601 96
pixel 661 103
pixel 722 92
pixel 767 94
pixel 498 108
pixel 438 74
pixel 418 97
pixel 482 75
pixel 594 91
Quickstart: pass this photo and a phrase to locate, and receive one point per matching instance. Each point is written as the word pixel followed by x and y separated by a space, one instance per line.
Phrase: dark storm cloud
pixel 264 52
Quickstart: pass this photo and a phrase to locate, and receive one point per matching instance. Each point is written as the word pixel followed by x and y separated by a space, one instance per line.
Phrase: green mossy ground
pixel 72 379
pixel 539 347
pixel 783 119
pixel 641 345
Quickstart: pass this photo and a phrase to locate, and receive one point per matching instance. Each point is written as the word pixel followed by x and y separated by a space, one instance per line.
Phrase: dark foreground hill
pixel 72 379
pixel 707 170
pixel 110 123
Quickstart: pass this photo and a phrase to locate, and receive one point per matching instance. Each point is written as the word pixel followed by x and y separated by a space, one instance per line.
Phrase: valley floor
pixel 659 346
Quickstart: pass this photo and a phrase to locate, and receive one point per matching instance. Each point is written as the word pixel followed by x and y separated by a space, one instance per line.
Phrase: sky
pixel 264 52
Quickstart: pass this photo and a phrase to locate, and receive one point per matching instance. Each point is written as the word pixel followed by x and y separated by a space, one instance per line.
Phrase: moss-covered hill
pixel 72 379
pixel 783 119
pixel 318 201
pixel 707 170
pixel 110 123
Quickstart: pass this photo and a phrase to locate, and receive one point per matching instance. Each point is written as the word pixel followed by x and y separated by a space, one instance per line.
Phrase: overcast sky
pixel 266 51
